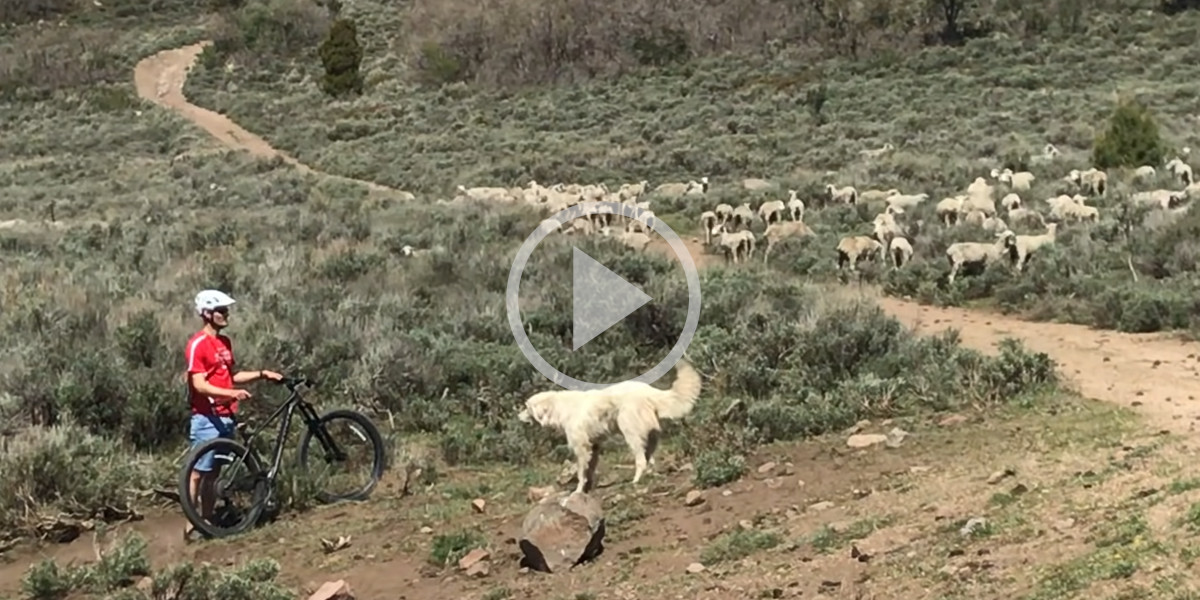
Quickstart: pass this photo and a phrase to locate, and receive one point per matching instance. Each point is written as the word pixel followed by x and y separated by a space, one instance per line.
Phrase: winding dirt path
pixel 160 78
pixel 1154 373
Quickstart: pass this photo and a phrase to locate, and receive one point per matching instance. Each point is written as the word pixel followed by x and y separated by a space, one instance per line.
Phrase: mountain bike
pixel 242 469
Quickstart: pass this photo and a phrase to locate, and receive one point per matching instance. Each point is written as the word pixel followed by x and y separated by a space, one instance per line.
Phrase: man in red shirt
pixel 211 377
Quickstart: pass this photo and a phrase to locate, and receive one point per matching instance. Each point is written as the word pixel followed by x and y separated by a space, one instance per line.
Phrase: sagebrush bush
pixel 1131 139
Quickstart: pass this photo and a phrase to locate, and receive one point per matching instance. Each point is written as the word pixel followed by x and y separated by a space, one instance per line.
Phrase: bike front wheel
pixel 240 489
pixel 349 450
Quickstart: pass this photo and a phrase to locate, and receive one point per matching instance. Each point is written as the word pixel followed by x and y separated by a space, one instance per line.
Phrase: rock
pixel 426 530
pixel 952 420
pixel 972 525
pixel 895 437
pixel 766 468
pixel 561 531
pixel 479 569
pixel 473 558
pixel 865 440
pixel 694 498
pixel 333 590
pixel 819 506
pixel 695 568
pixel 478 504
pixel 996 477
pixel 537 494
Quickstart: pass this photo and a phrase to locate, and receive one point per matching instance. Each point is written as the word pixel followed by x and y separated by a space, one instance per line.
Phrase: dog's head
pixel 537 407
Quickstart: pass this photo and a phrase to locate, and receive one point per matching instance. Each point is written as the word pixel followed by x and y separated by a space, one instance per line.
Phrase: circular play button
pixel 600 298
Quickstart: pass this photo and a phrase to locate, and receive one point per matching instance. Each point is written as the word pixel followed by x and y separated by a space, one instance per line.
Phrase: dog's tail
pixel 677 402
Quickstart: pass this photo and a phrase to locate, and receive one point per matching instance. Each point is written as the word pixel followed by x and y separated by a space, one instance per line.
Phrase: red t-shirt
pixel 213 356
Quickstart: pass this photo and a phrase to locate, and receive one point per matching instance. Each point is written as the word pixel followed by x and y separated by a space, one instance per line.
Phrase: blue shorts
pixel 207 427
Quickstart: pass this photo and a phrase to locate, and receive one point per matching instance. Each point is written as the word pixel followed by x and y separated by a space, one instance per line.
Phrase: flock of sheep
pixel 728 229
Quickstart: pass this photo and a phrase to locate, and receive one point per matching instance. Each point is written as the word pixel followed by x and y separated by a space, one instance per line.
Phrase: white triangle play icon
pixel 600 298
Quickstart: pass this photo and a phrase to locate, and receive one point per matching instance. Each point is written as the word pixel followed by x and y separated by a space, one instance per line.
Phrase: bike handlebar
pixel 294 382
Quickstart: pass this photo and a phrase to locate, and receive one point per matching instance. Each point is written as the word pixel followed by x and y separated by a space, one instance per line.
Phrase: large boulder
pixel 562 530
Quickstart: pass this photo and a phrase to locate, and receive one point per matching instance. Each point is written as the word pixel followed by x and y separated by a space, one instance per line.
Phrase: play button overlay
pixel 600 298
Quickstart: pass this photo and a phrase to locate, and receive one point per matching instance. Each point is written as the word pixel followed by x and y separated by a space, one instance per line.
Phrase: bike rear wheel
pixel 343 440
pixel 241 489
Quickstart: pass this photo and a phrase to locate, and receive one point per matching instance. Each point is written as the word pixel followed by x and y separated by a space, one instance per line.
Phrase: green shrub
pixel 341 56
pixel 1131 140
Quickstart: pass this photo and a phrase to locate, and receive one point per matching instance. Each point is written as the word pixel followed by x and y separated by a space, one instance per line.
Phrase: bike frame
pixel 295 402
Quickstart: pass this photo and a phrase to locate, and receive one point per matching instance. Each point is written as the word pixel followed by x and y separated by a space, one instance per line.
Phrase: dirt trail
pixel 1155 373
pixel 160 79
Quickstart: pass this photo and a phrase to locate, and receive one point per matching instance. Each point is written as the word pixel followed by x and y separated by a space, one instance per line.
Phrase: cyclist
pixel 213 399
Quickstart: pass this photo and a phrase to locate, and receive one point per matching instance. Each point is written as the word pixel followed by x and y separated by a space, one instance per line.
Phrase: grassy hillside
pixel 148 210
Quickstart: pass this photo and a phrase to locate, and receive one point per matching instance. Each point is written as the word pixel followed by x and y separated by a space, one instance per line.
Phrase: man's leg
pixel 203 473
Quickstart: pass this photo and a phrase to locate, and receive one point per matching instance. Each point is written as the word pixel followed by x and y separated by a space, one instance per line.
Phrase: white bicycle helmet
pixel 210 299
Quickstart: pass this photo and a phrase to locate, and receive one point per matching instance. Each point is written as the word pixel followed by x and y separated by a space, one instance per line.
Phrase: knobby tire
pixel 378 454
pixel 240 456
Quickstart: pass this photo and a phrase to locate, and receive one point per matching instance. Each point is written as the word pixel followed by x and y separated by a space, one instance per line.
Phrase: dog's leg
pixel 583 458
pixel 652 445
pixel 591 468
pixel 636 427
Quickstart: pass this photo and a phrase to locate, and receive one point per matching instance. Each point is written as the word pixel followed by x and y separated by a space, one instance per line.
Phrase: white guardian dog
pixel 636 408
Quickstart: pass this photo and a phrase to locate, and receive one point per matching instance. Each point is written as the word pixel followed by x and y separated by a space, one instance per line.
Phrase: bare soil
pixel 1097 503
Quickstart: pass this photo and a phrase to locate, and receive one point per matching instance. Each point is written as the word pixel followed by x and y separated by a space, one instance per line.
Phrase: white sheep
pixel 633 239
pixel 1144 173
pixel 741 242
pixel 1017 181
pixel 632 191
pixel 781 231
pixel 581 225
pixel 407 250
pixel 795 206
pixel 1028 216
pixel 885 228
pixel 846 195
pixel 1181 170
pixel 755 184
pixel 708 220
pixel 874 195
pixel 906 201
pixel 1159 198
pixel 1049 152
pixel 771 211
pixel 643 221
pixel 724 212
pixel 979 198
pixel 970 253
pixel 742 215
pixel 1078 213
pixel 1094 180
pixel 1026 245
pixel 1010 202
pixel 697 189
pixel 877 152
pixel 949 208
pixel 993 225
pixel 900 250
pixel 851 249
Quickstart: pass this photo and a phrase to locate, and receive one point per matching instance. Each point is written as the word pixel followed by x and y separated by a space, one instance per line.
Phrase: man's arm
pixel 208 389
pixel 248 376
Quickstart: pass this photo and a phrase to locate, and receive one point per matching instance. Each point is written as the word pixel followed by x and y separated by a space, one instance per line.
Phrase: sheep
pixel 676 189
pixel 970 253
pixel 1010 202
pixel 742 215
pixel 1181 170
pixel 1026 215
pixel 633 239
pixel 1026 245
pixel 893 210
pixel 1192 192
pixel 724 212
pixel 993 224
pixel 493 194
pixel 877 152
pixel 795 206
pixel 905 201
pixel 1094 180
pixel 874 195
pixel 1064 208
pixel 643 221
pixel 1017 181
pixel 733 243
pixel 1144 173
pixel 581 225
pixel 754 184
pixel 781 231
pixel 851 249
pixel 632 191
pixel 900 250
pixel 1049 152
pixel 1078 212
pixel 407 250
pixel 697 189
pixel 885 228
pixel 1159 198
pixel 708 220
pixel 975 217
pixel 846 195
pixel 771 211
pixel 979 198
pixel 948 209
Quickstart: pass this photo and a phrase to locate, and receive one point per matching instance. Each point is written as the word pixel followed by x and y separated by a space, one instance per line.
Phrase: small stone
pixel 473 557
pixel 766 468
pixel 695 568
pixel 333 590
pixel 895 437
pixel 865 440
pixel 952 420
pixel 820 506
pixel 479 569
pixel 426 530
pixel 919 470
pixel 694 498
pixel 996 477
pixel 478 504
